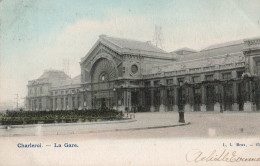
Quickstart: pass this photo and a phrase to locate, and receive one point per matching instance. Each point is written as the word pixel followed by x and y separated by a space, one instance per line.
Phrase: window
pixel 157 83
pixel 169 81
pixel 134 69
pixel 40 104
pixel 62 103
pixel 66 102
pixel 56 103
pixel 226 76
pixel 73 102
pixel 196 79
pixel 79 101
pixel 147 84
pixel 239 74
pixel 209 77
pixel 180 81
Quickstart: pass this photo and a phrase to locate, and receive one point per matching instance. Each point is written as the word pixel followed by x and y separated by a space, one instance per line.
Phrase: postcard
pixel 128 83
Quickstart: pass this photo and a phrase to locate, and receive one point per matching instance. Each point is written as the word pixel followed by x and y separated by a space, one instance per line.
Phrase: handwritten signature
pixel 224 156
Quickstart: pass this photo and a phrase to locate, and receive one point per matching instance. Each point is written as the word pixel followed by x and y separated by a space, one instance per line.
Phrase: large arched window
pixel 103 70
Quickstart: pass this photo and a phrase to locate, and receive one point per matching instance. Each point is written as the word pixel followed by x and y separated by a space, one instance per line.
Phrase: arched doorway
pixel 103 74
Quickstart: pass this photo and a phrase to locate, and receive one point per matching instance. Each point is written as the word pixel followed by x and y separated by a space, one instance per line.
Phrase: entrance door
pixel 228 96
pixel 103 103
pixel 240 95
pixel 147 99
pixel 210 92
pixel 197 99
pixel 134 99
pixel 157 99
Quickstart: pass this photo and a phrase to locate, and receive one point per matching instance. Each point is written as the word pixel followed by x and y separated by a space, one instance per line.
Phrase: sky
pixel 36 35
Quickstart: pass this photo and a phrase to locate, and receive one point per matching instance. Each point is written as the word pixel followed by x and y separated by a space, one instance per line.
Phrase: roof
pixel 132 44
pixel 71 83
pixel 131 47
pixel 198 63
pixel 50 76
pixel 215 50
pixel 185 49
pixel 226 44
pixel 54 74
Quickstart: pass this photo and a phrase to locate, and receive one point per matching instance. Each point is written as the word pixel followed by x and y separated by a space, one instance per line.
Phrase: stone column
pixel 235 106
pixel 203 107
pixel 54 104
pixel 64 102
pixel 176 99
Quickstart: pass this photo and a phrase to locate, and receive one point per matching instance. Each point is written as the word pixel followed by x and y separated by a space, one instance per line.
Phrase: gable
pixel 100 48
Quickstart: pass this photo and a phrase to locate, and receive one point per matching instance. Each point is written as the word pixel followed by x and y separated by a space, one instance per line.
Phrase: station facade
pixel 126 74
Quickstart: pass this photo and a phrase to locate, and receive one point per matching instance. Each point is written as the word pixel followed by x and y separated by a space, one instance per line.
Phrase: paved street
pixel 156 125
pixel 138 146
pixel 207 125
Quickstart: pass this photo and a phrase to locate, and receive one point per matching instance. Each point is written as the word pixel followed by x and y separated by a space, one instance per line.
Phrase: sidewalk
pixel 142 121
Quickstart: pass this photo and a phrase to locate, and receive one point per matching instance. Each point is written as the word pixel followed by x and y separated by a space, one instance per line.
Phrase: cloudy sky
pixel 40 34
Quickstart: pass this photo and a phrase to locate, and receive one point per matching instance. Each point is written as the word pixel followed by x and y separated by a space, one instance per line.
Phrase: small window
pixel 239 74
pixel 226 76
pixel 169 81
pixel 157 83
pixel 180 81
pixel 147 84
pixel 134 69
pixel 209 77
pixel 196 79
